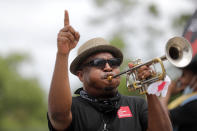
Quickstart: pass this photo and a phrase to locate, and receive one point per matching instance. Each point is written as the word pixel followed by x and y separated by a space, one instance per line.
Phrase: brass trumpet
pixel 178 52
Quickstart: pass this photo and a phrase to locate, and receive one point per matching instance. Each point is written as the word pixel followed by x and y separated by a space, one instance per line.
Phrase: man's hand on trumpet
pixel 143 72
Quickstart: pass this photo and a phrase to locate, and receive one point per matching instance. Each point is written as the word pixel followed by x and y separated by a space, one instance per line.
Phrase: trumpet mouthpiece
pixel 109 78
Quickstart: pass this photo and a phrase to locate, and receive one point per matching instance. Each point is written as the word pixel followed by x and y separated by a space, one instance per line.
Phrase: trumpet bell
pixel 178 51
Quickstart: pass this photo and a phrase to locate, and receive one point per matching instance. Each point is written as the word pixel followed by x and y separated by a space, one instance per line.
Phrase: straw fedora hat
pixel 91 47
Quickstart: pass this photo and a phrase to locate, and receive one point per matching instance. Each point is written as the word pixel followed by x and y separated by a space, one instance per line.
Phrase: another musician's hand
pixel 67 37
pixel 175 87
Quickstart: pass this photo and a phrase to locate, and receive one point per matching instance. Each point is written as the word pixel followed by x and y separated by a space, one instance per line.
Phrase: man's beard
pixel 108 89
pixel 109 92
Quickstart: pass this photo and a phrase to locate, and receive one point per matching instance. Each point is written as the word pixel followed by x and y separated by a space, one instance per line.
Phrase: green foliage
pixel 112 10
pixel 23 105
pixel 102 3
pixel 118 41
pixel 180 21
pixel 153 10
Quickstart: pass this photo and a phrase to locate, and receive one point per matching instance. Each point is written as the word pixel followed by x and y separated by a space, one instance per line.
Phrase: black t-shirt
pixel 184 117
pixel 131 116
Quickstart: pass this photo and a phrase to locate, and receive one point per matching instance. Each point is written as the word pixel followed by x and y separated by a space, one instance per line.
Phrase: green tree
pixel 23 102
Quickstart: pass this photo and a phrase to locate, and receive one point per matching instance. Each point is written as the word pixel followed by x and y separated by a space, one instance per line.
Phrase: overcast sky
pixel 31 26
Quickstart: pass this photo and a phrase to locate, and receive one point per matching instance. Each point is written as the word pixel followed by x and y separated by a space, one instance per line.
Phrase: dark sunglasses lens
pixel 99 62
pixel 114 62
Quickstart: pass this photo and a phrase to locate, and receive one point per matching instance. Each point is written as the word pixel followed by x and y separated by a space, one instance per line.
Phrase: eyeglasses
pixel 100 63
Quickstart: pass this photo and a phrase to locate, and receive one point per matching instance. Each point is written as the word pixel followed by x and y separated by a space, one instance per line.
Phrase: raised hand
pixel 67 37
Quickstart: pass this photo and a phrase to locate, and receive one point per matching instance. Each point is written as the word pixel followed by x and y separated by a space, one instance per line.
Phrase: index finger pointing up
pixel 66 18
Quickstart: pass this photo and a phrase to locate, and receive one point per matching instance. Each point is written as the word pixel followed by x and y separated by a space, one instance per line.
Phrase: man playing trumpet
pixel 99 106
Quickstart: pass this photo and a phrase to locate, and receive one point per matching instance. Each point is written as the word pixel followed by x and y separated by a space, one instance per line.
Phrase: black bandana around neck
pixel 106 106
